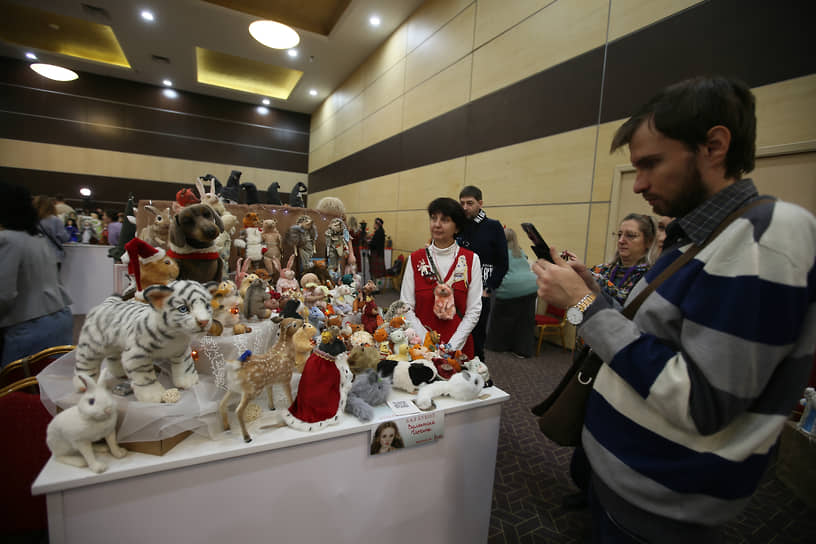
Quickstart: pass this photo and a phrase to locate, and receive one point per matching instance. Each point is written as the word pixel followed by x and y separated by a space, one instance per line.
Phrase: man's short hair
pixel 471 190
pixel 450 208
pixel 687 110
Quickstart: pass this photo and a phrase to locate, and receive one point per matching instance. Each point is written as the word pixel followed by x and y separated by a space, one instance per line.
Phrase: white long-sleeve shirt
pixel 444 259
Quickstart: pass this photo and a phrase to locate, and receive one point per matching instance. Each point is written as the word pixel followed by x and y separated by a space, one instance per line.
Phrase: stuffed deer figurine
pixel 271 371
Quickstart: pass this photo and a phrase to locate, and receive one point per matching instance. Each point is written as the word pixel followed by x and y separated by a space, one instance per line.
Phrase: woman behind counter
pixel 444 263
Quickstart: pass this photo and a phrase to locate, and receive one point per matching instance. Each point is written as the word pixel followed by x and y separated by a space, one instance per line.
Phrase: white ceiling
pixel 181 25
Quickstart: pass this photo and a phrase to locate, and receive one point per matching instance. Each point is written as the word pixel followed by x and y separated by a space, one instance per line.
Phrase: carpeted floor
pixel 532 473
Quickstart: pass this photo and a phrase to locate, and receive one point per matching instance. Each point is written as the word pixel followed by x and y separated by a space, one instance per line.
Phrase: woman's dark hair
pixel 16 208
pixel 687 110
pixel 450 208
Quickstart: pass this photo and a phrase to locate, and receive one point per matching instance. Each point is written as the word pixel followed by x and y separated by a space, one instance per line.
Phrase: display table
pixel 87 274
pixel 289 486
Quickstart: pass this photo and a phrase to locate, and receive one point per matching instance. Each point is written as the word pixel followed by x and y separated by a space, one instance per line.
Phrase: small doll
pixel 371 318
pixel 381 341
pixel 337 246
pixel 70 228
pixel 88 234
pixel 273 243
pixel 302 237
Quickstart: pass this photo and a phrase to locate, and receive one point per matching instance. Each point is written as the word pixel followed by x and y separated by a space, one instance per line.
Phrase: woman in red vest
pixel 443 282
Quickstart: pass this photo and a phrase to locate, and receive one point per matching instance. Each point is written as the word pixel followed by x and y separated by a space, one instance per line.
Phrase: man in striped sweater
pixel 685 414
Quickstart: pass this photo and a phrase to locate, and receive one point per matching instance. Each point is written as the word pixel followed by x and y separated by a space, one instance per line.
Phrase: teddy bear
pixel 226 304
pixel 367 390
pixel 381 342
pixel 313 294
pixel 444 306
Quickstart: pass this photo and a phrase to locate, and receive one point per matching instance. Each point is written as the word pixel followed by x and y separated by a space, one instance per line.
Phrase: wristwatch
pixel 575 314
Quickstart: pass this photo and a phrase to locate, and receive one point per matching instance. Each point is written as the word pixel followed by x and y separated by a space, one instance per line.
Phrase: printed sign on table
pixel 407 432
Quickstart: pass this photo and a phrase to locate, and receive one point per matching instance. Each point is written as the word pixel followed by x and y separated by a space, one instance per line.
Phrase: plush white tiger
pixel 131 335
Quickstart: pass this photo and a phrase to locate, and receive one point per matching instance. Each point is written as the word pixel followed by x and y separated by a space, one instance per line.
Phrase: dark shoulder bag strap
pixel 681 261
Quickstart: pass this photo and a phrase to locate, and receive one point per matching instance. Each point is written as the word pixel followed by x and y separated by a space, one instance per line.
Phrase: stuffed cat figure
pixel 462 386
pixel 131 335
pixel 367 390
pixel 444 307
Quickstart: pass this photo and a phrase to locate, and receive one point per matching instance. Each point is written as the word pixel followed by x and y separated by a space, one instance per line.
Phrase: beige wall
pixel 450 52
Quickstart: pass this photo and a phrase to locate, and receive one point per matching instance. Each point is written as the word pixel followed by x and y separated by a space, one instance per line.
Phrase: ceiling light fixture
pixel 167 83
pixel 84 191
pixel 170 93
pixel 31 56
pixel 148 15
pixel 292 53
pixel 263 110
pixel 374 20
pixel 313 92
pixel 57 73
pixel 265 101
pixel 273 34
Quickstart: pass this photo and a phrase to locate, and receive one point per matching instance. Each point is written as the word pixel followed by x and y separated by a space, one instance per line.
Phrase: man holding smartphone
pixel 485 237
pixel 685 414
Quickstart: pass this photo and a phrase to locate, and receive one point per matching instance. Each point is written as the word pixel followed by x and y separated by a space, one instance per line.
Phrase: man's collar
pixel 699 223
pixel 481 216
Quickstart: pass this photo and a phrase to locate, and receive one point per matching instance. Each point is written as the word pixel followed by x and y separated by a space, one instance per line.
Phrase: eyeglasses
pixel 627 235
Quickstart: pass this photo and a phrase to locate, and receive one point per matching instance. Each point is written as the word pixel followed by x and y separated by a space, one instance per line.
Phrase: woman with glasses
pixel 636 252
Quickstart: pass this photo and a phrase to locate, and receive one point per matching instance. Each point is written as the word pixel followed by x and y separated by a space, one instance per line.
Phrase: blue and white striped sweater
pixel 697 388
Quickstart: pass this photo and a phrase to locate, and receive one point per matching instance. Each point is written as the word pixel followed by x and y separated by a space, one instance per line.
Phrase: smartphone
pixel 539 247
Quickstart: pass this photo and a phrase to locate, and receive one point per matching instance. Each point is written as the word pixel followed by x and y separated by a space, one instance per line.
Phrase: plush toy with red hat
pixel 148 265
pixel 184 198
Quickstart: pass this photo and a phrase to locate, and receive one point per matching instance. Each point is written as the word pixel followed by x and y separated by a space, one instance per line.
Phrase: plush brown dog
pixel 192 243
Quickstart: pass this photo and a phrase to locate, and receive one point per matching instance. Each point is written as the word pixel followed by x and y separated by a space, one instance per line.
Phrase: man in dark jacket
pixel 485 237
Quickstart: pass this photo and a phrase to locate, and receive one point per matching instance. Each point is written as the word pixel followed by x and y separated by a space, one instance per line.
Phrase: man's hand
pixel 562 284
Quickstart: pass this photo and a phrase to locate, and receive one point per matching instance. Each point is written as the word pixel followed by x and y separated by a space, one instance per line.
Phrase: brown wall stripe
pixel 757 41
pixel 105 189
pixel 107 113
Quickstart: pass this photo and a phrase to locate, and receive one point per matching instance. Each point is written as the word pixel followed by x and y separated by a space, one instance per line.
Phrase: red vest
pixel 423 293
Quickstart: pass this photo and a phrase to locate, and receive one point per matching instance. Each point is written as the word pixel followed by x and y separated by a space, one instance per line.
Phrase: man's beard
pixel 692 195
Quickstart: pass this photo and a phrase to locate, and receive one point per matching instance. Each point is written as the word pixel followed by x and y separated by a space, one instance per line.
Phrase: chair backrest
pixel 31 365
pixel 23 422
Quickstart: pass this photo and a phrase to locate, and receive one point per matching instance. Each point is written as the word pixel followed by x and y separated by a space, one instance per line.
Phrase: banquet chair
pixel 23 422
pixel 552 321
pixel 31 365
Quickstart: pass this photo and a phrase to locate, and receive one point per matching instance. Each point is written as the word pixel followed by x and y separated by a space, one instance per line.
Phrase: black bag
pixel 561 415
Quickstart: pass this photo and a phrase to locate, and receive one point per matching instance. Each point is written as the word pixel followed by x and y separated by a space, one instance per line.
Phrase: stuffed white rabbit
pixel 461 386
pixel 77 428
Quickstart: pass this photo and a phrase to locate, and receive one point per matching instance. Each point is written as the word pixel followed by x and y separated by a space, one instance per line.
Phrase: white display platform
pixel 289 486
pixel 87 274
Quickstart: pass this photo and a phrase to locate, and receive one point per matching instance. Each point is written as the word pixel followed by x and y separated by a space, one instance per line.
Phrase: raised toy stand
pixel 289 486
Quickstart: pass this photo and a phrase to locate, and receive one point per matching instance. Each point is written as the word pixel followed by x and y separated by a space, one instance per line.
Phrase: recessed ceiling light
pixel 265 101
pixel 273 34
pixel 167 83
pixel 31 56
pixel 84 191
pixel 263 110
pixel 57 73
pixel 313 92
pixel 170 93
pixel 147 15
pixel 292 53
pixel 374 20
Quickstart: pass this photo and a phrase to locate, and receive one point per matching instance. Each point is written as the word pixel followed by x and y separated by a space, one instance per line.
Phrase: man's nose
pixel 641 183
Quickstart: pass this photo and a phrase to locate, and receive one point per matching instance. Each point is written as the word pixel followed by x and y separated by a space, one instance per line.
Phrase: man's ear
pixel 718 141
